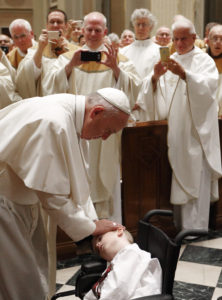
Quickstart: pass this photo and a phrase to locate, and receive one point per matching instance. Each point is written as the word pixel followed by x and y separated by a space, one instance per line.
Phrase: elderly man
pixel 73 75
pixel 183 90
pixel 41 166
pixel 39 58
pixel 214 42
pixel 163 36
pixel 8 93
pixel 143 51
pixel 127 38
pixel 23 38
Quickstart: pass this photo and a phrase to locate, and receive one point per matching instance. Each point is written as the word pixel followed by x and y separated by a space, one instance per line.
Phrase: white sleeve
pixel 70 217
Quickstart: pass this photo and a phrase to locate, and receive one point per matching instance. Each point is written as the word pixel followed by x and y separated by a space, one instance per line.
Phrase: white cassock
pixel 104 156
pixel 144 54
pixel 29 77
pixel 8 93
pixel 193 134
pixel 134 274
pixel 40 167
pixel 219 95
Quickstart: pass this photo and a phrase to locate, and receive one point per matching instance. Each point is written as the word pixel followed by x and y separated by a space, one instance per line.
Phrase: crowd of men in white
pixel 184 89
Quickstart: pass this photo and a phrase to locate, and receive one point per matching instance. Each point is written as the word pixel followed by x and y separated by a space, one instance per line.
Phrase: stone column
pixel 40 11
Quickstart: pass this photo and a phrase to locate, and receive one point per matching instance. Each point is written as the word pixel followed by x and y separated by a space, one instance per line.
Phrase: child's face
pixel 104 243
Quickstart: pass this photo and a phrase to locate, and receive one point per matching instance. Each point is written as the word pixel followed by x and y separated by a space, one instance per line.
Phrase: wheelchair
pixel 152 239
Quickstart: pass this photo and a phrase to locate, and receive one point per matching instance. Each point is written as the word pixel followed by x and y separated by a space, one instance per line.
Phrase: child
pixel 131 272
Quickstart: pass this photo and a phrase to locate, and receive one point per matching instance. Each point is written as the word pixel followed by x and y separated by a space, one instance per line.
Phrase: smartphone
pixel 5 49
pixel 53 35
pixel 164 53
pixel 90 56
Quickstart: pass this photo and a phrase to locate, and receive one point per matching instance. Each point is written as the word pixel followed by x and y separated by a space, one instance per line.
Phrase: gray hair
pixel 124 31
pixel 143 13
pixel 113 37
pixel 128 236
pixel 184 23
pixel 99 14
pixel 20 22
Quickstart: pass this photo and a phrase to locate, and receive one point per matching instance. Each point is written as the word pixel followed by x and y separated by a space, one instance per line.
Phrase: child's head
pixel 109 243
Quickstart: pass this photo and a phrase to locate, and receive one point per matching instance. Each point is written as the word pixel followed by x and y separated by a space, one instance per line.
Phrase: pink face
pixel 183 40
pixel 142 29
pixel 104 243
pixel 215 40
pixel 127 38
pixel 163 36
pixel 102 126
pixel 56 22
pixel 94 31
pixel 22 38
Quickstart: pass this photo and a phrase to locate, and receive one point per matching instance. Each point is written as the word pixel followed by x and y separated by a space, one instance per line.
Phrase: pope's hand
pixel 104 225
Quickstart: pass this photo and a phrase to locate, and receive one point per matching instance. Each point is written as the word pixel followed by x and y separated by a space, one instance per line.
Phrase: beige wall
pixel 120 11
pixel 10 10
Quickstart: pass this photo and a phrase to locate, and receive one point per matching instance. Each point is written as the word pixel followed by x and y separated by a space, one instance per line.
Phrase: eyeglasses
pixel 142 24
pixel 216 39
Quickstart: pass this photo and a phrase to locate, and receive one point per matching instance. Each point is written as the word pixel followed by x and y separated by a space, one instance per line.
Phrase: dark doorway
pixel 213 11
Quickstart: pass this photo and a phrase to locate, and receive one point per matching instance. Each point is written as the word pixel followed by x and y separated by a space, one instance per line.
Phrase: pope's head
pixel 106 111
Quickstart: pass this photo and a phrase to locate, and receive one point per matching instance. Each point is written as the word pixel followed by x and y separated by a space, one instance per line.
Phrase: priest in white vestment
pixel 41 170
pixel 214 42
pixel 143 52
pixel 72 75
pixel 8 93
pixel 183 90
pixel 40 57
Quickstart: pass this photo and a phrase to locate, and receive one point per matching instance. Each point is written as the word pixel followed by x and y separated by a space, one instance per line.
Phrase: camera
pixel 54 35
pixel 90 56
pixel 5 49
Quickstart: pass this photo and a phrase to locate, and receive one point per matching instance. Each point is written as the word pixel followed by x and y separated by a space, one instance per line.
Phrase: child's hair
pixel 129 236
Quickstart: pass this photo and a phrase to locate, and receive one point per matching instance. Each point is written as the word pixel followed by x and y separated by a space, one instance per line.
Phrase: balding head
pixel 94 29
pixel 163 36
pixel 95 16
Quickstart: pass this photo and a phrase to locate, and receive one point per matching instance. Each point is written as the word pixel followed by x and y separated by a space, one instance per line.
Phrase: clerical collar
pixel 79 113
pixel 21 53
pixel 100 48
pixel 142 42
pixel 210 53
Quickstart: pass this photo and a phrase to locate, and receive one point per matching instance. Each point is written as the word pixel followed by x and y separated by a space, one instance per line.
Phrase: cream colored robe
pixel 144 54
pixel 104 156
pixel 8 93
pixel 41 160
pixel 29 77
pixel 218 62
pixel 191 109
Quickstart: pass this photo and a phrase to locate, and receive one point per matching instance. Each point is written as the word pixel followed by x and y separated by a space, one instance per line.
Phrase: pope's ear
pixel 96 110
